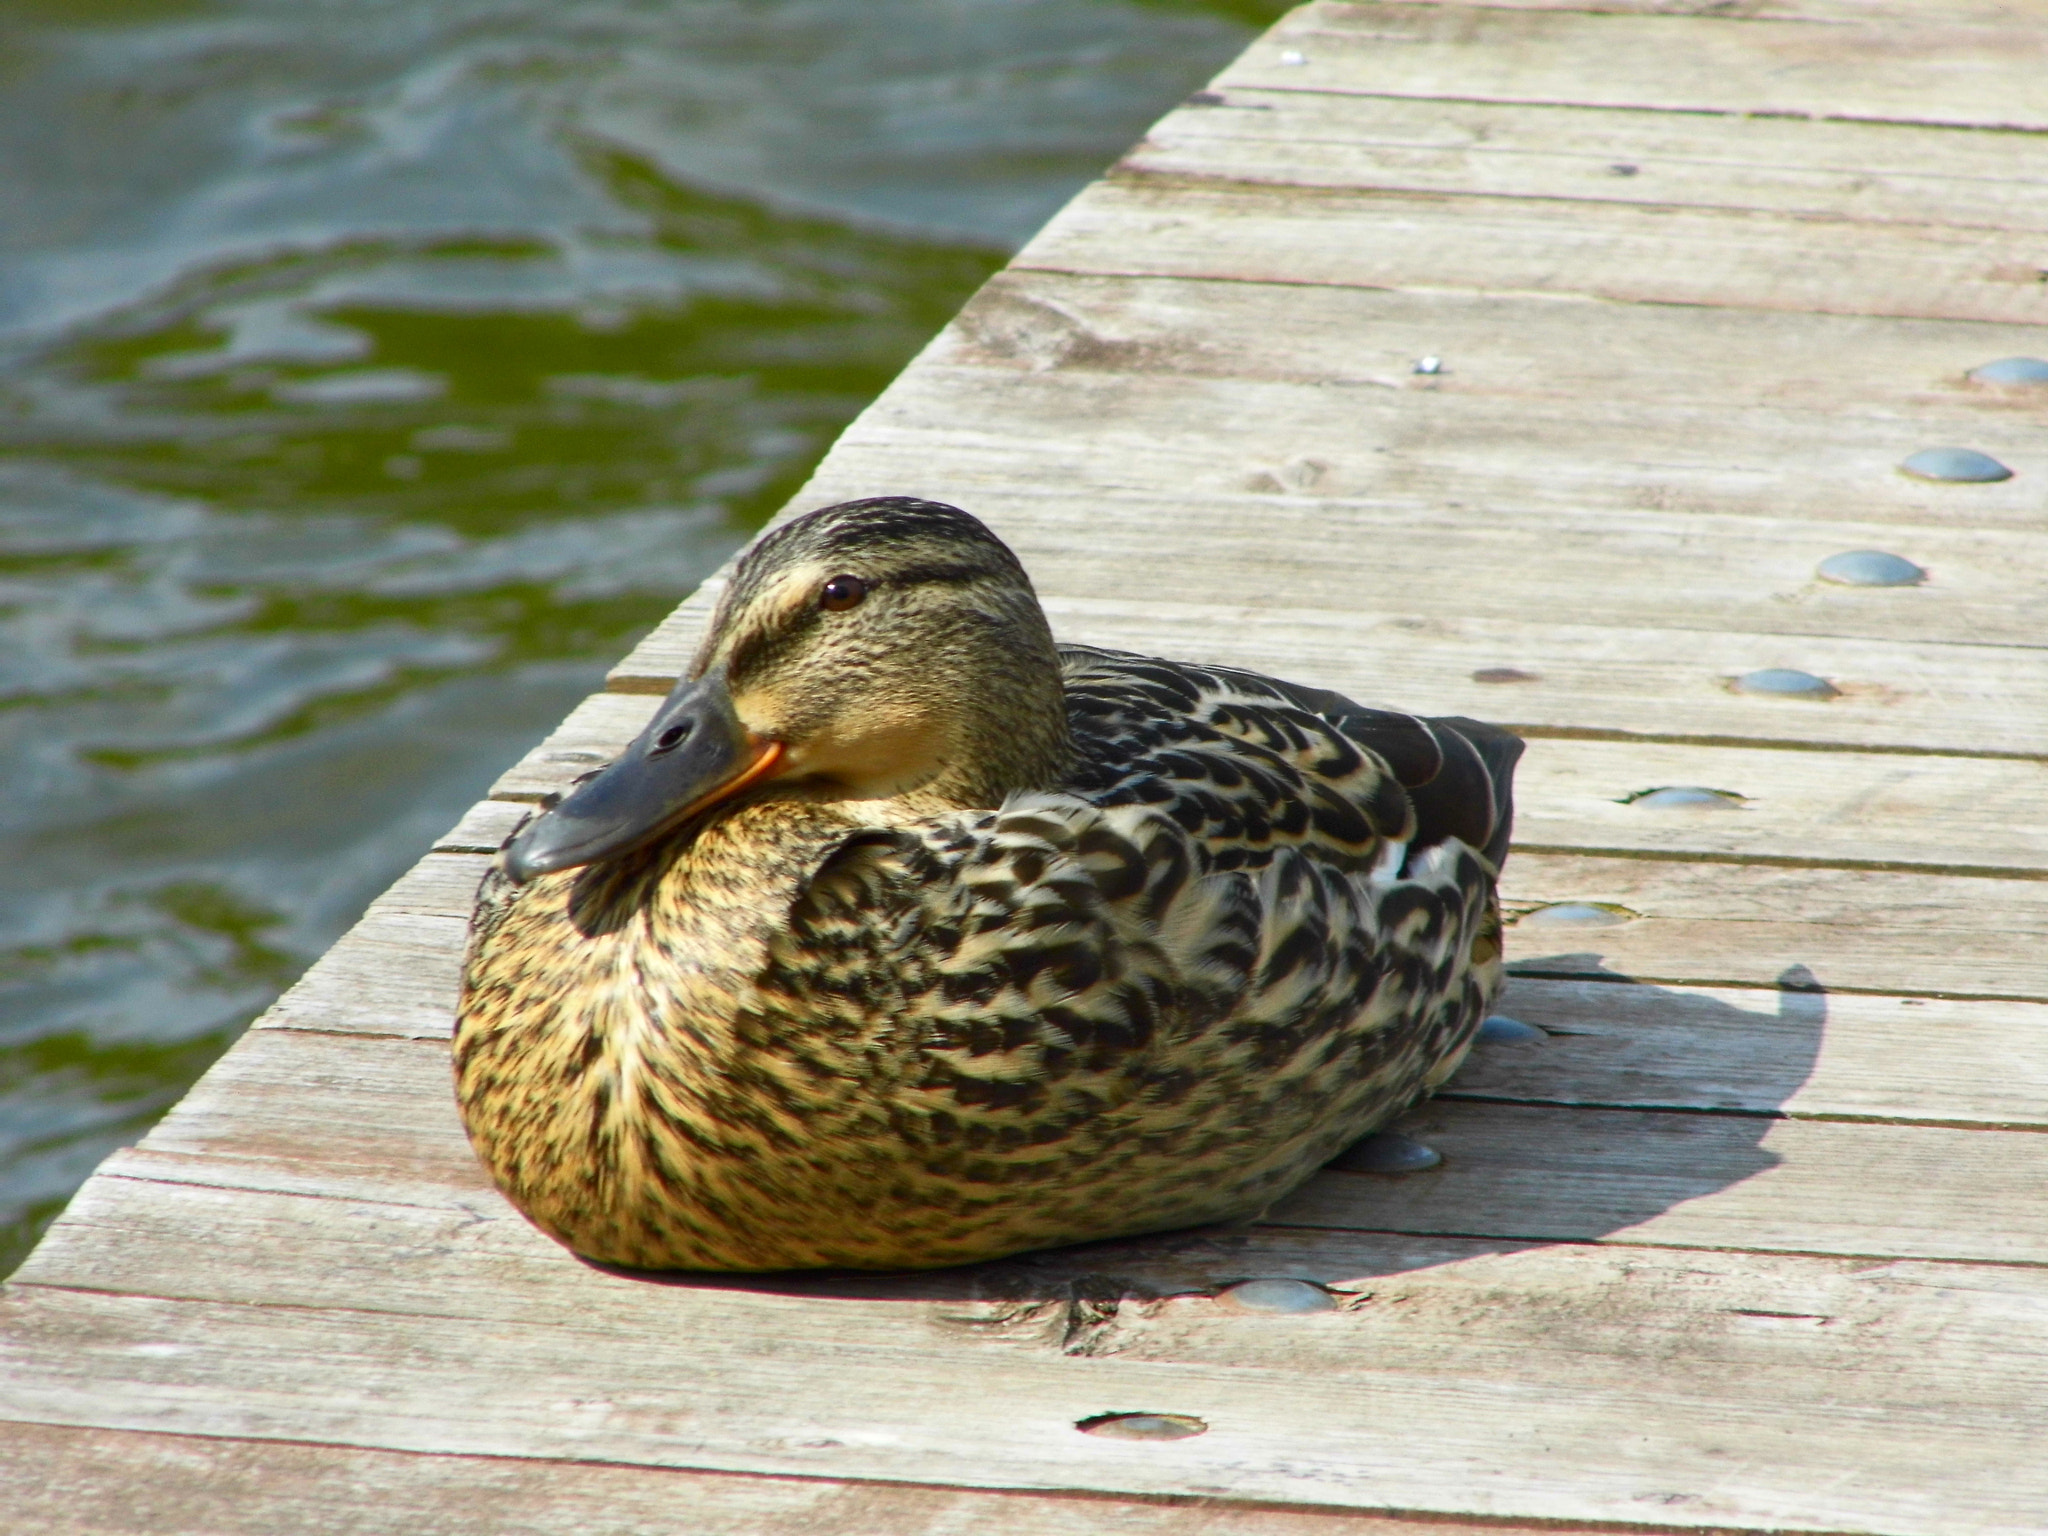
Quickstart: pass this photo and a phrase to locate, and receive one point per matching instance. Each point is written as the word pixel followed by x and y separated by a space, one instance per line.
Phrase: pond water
pixel 374 372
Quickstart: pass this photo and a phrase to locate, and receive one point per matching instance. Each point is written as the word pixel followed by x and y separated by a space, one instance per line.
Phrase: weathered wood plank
pixel 1887 65
pixel 88 1482
pixel 1187 228
pixel 1229 400
pixel 1904 933
pixel 1777 1447
pixel 594 733
pixel 1801 1055
pixel 397 971
pixel 484 827
pixel 1562 358
pixel 1709 924
pixel 1947 13
pixel 1708 1181
pixel 1870 172
pixel 1440 443
pixel 1852 810
pixel 394 973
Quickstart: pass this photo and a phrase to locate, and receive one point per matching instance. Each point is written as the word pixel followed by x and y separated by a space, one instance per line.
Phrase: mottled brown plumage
pixel 965 944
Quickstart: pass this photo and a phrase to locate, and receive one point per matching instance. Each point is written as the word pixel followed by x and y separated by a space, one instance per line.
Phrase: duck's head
pixel 882 649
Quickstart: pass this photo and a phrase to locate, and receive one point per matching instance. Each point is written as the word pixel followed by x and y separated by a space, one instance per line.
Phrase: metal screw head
pixel 1284 1298
pixel 1388 1152
pixel 1870 568
pixel 1502 1030
pixel 2011 371
pixel 1293 56
pixel 1429 365
pixel 1577 914
pixel 1955 465
pixel 1684 797
pixel 1785 683
pixel 1143 1426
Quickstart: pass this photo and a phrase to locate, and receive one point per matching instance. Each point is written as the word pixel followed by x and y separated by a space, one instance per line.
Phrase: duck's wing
pixel 1150 728
pixel 1011 955
pixel 1213 925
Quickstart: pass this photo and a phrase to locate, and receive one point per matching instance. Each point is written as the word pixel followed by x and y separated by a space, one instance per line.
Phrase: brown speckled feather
pixel 1255 923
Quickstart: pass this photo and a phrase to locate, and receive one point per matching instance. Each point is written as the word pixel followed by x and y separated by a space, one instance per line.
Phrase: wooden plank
pixel 1412 447
pixel 1966 70
pixel 1611 564
pixel 391 974
pixel 1959 815
pixel 594 733
pixel 978 1400
pixel 1561 358
pixel 1869 172
pixel 1707 1181
pixel 1948 13
pixel 89 1482
pixel 1631 571
pixel 484 827
pixel 1885 932
pixel 1846 809
pixel 1187 228
pixel 1803 1055
pixel 398 970
pixel 1152 390
pixel 1090 377
pixel 1708 925
pixel 1622 1046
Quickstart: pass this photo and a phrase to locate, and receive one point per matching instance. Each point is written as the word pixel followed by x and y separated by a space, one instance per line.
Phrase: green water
pixel 373 373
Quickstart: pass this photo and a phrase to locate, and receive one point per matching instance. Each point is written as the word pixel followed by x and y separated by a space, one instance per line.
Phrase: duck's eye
pixel 842 593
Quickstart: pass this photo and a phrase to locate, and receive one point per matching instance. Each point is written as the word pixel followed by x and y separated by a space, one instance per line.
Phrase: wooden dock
pixel 1514 360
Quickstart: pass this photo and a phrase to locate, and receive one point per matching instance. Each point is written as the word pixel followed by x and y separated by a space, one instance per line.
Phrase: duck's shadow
pixel 1635 1101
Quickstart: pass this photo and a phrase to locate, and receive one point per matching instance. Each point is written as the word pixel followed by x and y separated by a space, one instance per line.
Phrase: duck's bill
pixel 693 754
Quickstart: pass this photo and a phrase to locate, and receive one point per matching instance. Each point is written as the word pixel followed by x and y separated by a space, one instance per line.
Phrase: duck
pixel 905 937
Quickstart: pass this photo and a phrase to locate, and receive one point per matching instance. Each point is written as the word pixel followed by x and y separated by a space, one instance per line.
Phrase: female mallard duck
pixel 902 937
